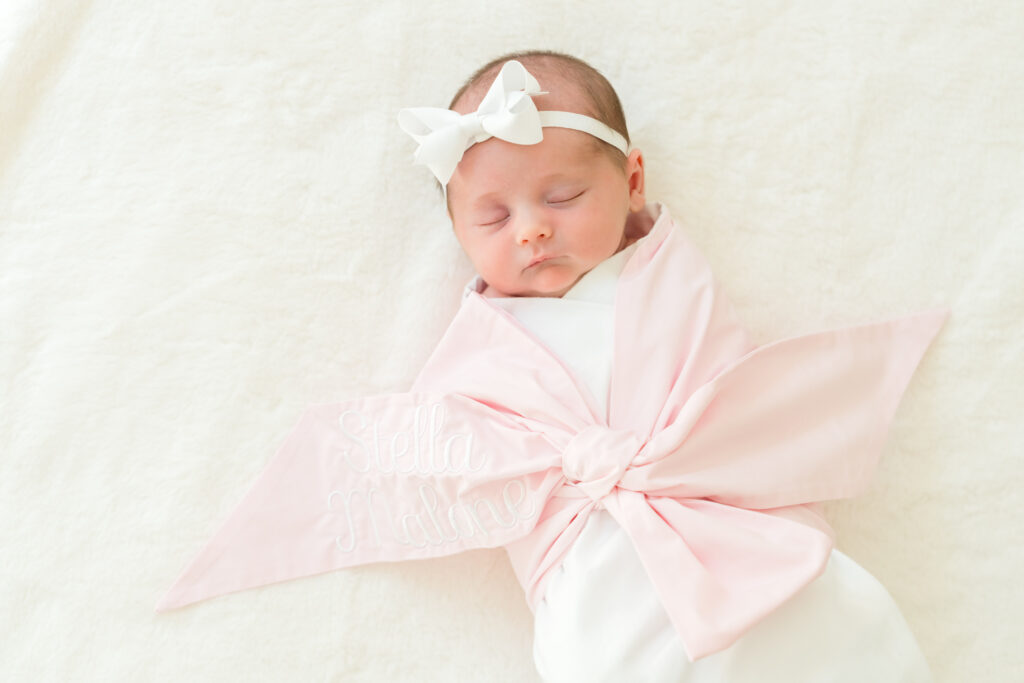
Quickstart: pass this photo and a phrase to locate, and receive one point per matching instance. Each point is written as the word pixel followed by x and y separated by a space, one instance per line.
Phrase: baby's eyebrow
pixel 485 200
pixel 561 175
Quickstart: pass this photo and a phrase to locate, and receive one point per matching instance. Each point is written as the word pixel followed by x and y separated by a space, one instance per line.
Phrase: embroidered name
pixel 423 446
pixel 422 450
pixel 457 521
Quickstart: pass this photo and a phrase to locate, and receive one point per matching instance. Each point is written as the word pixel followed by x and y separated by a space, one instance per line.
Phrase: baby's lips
pixel 541 259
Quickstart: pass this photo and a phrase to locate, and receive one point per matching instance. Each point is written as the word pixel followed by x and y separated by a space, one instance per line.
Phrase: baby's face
pixel 534 219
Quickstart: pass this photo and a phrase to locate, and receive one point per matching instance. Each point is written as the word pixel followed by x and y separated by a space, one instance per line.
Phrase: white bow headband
pixel 507 112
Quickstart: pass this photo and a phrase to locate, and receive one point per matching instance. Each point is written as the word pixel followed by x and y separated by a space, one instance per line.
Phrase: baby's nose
pixel 533 230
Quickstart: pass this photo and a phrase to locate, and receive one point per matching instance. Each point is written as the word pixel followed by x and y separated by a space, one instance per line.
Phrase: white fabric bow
pixel 507 112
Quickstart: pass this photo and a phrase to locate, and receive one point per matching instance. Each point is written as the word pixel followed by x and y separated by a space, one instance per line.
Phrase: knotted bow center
pixel 597 457
pixel 471 127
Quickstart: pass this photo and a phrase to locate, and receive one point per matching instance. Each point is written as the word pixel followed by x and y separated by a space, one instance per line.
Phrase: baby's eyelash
pixel 576 196
pixel 487 225
pixel 560 201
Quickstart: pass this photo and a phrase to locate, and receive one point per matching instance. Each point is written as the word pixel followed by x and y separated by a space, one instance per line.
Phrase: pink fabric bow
pixel 712 457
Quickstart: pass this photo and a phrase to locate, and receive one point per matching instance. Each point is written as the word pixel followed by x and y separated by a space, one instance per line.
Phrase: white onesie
pixel 601 620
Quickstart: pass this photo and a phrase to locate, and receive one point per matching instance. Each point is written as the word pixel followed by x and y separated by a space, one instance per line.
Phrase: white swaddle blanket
pixel 601 619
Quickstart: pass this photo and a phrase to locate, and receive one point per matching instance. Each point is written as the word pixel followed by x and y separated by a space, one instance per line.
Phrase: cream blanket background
pixel 208 220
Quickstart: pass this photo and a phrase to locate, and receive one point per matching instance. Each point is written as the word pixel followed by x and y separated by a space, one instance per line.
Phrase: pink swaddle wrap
pixel 711 459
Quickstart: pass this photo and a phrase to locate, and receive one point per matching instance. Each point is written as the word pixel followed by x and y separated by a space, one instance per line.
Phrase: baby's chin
pixel 552 282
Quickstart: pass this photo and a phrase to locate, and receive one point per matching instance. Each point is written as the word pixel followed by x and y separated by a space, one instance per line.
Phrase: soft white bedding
pixel 208 220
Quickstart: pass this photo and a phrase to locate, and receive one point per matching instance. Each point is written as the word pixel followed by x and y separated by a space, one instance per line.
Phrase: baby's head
pixel 535 218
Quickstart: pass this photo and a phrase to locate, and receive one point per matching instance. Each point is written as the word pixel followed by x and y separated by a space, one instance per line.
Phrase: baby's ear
pixel 635 179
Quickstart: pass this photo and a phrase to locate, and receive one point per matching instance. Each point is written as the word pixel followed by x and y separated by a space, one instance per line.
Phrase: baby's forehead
pixel 561 149
pixel 486 169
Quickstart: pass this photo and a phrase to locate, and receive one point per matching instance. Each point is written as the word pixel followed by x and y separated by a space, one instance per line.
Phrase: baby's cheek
pixel 554 276
pixel 497 275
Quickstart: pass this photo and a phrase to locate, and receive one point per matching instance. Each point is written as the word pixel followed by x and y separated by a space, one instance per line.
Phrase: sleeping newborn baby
pixel 596 408
pixel 548 226
pixel 534 219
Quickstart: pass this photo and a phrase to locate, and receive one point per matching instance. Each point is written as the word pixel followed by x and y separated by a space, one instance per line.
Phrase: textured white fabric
pixel 601 620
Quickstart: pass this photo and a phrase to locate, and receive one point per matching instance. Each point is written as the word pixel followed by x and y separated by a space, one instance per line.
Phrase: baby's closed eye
pixel 491 221
pixel 563 198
